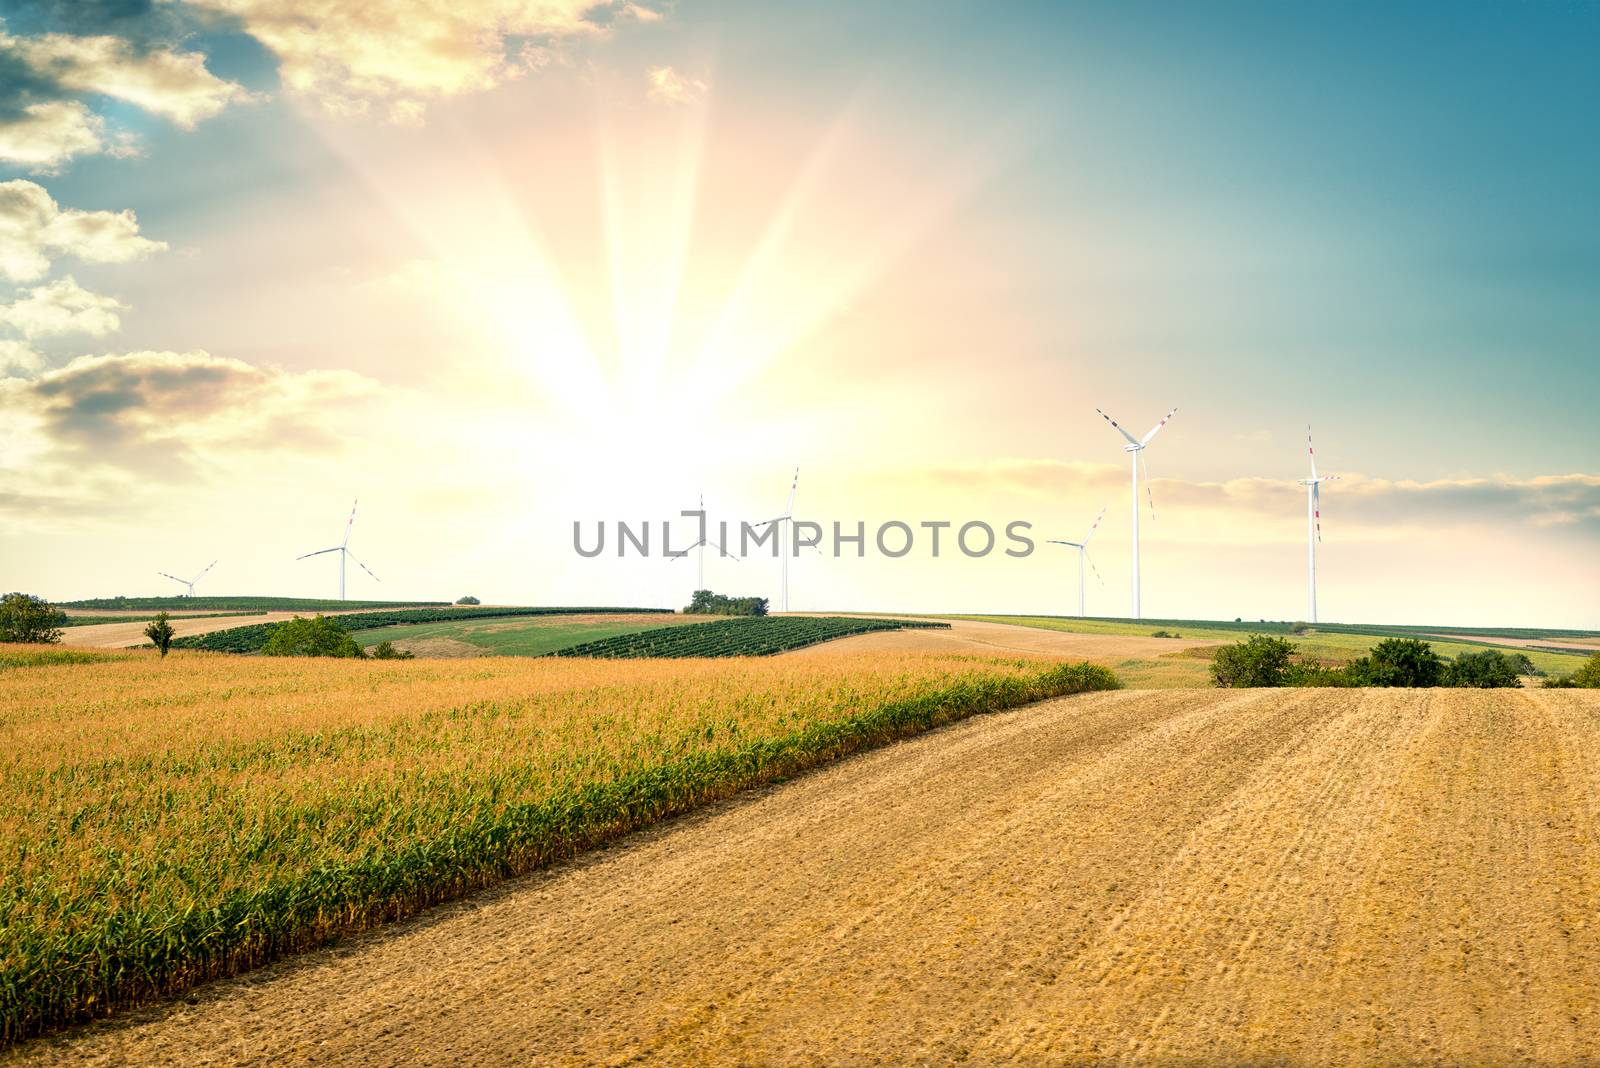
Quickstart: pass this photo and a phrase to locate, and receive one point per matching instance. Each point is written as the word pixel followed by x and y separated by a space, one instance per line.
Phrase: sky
pixel 500 267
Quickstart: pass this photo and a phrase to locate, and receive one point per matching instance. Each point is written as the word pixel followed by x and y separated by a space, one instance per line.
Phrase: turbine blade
pixel 1054 541
pixel 1096 570
pixel 1118 427
pixel 1316 506
pixel 789 508
pixel 202 574
pixel 723 551
pixel 1147 490
pixel 362 566
pixel 1311 452
pixel 319 552
pixel 1157 428
pixel 174 578
pixel 351 522
pixel 1095 525
pixel 774 519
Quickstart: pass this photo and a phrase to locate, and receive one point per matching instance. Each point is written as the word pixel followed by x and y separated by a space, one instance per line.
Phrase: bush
pixel 706 603
pixel 159 631
pixel 1588 676
pixel 1165 634
pixel 25 618
pixel 317 636
pixel 1397 662
pixel 385 650
pixel 1316 673
pixel 468 599
pixel 1256 661
pixel 1486 671
pixel 1299 628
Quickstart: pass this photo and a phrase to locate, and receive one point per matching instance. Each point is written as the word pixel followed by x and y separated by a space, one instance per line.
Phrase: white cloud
pixel 45 135
pixel 669 87
pixel 34 229
pixel 348 54
pixel 174 85
pixel 62 307
pixel 18 358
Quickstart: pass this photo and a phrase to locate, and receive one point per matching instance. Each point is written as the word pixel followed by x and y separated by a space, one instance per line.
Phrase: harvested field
pixel 1143 662
pixel 1189 877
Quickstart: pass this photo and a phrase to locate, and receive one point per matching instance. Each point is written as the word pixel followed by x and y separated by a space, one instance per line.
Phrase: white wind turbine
pixel 189 583
pixel 1135 450
pixel 344 552
pixel 707 539
pixel 1083 554
pixel 780 520
pixel 1313 487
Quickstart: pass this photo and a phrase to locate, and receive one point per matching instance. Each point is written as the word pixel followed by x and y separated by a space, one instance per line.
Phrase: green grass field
pixel 534 637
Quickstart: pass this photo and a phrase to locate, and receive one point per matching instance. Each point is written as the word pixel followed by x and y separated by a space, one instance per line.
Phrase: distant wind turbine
pixel 344 552
pixel 780 520
pixel 189 583
pixel 1083 555
pixel 706 539
pixel 1135 450
pixel 1313 487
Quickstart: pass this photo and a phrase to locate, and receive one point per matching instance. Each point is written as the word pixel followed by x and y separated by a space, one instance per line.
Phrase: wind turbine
pixel 1313 487
pixel 1135 449
pixel 344 552
pixel 706 539
pixel 189 582
pixel 1083 554
pixel 786 517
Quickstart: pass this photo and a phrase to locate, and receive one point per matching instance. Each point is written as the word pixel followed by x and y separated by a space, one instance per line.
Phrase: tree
pixel 1398 662
pixel 385 650
pixel 25 618
pixel 1257 661
pixel 1588 676
pixel 1487 670
pixel 317 636
pixel 706 603
pixel 468 599
pixel 159 631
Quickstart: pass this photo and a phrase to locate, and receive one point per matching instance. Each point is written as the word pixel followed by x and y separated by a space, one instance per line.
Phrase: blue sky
pixel 935 239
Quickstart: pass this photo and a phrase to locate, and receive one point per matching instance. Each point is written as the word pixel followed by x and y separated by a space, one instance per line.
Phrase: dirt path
pixel 1187 877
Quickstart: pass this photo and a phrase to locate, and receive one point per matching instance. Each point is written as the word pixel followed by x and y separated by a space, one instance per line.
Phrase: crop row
pixel 757 636
pixel 251 638
pixel 163 823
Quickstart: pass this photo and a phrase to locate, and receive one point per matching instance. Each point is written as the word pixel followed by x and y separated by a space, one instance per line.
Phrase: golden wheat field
pixel 1302 877
pixel 163 822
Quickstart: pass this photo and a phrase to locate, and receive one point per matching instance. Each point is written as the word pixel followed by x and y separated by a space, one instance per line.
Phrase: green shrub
pixel 1487 670
pixel 159 631
pixel 1299 628
pixel 317 636
pixel 1397 662
pixel 1316 673
pixel 1257 661
pixel 26 618
pixel 1165 634
pixel 385 650
pixel 468 599
pixel 1588 676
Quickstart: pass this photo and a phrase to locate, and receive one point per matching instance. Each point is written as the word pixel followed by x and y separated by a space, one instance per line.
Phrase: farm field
pixel 1140 661
pixel 235 603
pixel 162 822
pixel 1267 877
pixel 743 636
pixel 1331 642
pixel 522 637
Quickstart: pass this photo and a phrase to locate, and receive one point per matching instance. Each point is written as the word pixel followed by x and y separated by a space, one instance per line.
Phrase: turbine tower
pixel 344 552
pixel 780 520
pixel 1083 554
pixel 1135 450
pixel 1313 487
pixel 189 583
